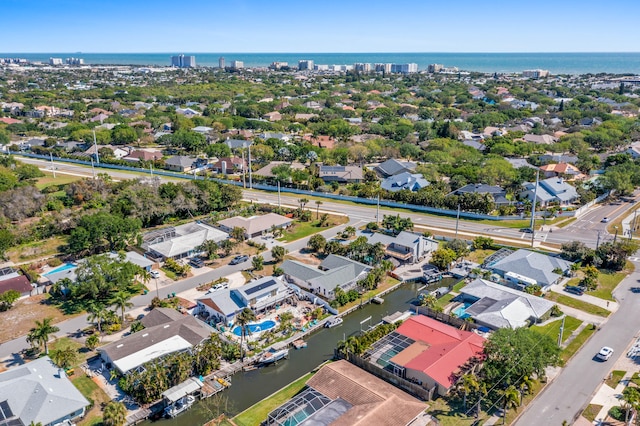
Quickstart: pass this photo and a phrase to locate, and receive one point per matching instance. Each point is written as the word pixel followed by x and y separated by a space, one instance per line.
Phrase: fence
pixel 413 388
pixel 446 318
pixel 270 188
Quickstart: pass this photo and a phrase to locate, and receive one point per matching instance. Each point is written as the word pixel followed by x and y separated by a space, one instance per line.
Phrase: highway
pixel 585 229
pixel 569 393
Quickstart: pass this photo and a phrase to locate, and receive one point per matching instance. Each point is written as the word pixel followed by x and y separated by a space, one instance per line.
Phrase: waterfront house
pixel 524 267
pixel 39 392
pixel 180 241
pixel 406 246
pixel 334 271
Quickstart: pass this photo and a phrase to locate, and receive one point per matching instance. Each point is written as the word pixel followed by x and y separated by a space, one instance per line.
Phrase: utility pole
pixel 93 169
pixel 615 237
pixel 278 194
pixel 561 332
pixel 378 210
pixel 95 145
pixel 53 167
pixel 244 173
pixel 533 209
pixel 250 178
pixel 598 240
pixel 151 169
pixel 633 224
pixel 457 220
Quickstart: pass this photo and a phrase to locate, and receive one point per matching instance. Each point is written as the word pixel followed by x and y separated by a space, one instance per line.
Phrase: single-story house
pixel 180 241
pixel 540 139
pixel 341 393
pixel 550 190
pixel 524 267
pixel 634 150
pixel 404 180
pixel 238 143
pixel 142 155
pixel 562 169
pixel 228 165
pixel 430 352
pixel 8 272
pixel 39 392
pixel 272 116
pixel 255 226
pixel 136 259
pixel 406 246
pixel 167 333
pixel 322 279
pixel 341 174
pixel 267 171
pixel 258 295
pixel 499 194
pixel 393 167
pixel 20 284
pixel 183 163
pixel 497 306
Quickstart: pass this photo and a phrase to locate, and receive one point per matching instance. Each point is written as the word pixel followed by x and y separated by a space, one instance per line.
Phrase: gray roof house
pixel 255 225
pixel 497 306
pixel 341 174
pixel 259 295
pixel 323 279
pixel 406 246
pixel 238 143
pixel 404 180
pixel 169 334
pixel 39 392
pixel 180 241
pixel 182 163
pixel 525 267
pixel 393 167
pixel 553 189
pixel 499 194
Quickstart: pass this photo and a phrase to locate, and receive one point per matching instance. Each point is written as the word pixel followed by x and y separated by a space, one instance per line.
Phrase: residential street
pixel 569 393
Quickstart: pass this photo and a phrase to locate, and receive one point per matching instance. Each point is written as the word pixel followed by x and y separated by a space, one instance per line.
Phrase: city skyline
pixel 288 26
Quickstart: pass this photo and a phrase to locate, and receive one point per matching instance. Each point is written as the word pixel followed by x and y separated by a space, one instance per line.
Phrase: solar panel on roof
pixel 261 286
pixel 5 411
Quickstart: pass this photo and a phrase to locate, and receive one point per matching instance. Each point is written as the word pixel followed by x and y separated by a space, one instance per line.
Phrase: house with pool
pixel 522 268
pixel 259 295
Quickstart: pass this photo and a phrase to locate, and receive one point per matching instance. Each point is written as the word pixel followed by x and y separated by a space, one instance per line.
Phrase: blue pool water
pixel 61 268
pixel 461 311
pixel 257 327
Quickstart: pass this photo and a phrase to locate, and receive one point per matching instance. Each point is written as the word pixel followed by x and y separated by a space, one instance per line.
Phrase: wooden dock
pixel 138 416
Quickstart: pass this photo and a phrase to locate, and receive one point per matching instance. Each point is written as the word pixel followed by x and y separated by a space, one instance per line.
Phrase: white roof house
pixel 39 392
pixel 527 267
pixel 497 306
pixel 183 240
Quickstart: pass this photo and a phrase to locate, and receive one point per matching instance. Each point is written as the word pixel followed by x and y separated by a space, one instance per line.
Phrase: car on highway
pixel 605 220
pixel 605 353
pixel 574 289
pixel 526 230
pixel 239 259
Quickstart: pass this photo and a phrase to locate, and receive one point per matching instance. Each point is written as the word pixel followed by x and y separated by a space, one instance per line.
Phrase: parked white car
pixel 605 353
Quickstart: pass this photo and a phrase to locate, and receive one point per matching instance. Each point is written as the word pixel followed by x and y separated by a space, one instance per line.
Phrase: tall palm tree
pixel 468 384
pixel 243 319
pixel 303 202
pixel 631 399
pixel 64 358
pixel 511 399
pixel 318 204
pixel 97 313
pixel 41 332
pixel 115 414
pixel 121 301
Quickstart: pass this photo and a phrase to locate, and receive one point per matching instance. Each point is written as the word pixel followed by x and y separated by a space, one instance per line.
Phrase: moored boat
pixel 273 355
pixel 333 322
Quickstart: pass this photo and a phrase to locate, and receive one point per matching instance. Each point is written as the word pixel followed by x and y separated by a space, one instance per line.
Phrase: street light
pixel 615 237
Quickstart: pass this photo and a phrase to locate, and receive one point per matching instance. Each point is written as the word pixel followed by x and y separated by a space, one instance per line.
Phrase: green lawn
pixel 60 179
pixel 616 376
pixel 444 300
pixel 258 413
pixel 458 287
pixel 95 395
pixel 478 256
pixel 552 329
pixel 304 229
pixel 591 412
pixel 577 304
pixel 607 282
pixel 577 343
pixel 387 283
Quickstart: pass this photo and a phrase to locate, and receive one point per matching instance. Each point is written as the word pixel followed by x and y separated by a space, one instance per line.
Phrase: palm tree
pixel 511 400
pixel 243 319
pixel 386 265
pixel 303 202
pixel 41 332
pixel 631 399
pixel 278 253
pixel 121 300
pixel 115 414
pixel 468 384
pixel 237 233
pixel 64 358
pixel 97 314
pixel 318 204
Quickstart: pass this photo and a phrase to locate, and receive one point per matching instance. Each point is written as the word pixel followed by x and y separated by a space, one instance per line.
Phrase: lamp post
pixel 157 291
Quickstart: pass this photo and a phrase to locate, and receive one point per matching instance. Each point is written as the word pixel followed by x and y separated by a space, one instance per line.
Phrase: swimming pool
pixel 256 327
pixel 63 267
pixel 461 311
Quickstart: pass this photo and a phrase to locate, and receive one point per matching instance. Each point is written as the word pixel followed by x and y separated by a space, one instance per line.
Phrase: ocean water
pixel 556 63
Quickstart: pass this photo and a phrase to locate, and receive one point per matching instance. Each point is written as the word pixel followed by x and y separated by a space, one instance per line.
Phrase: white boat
pixel 273 355
pixel 333 322
pixel 180 406
pixel 378 300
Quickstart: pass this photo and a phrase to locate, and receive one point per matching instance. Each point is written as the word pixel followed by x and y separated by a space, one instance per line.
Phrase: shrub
pixel 54 261
pixel 617 413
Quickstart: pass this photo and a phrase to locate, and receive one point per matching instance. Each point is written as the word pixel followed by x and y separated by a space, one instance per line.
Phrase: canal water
pixel 250 387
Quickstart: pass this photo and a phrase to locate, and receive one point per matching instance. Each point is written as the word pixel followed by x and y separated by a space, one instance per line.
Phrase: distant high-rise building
pixel 385 68
pixel 535 73
pixel 55 61
pixel 362 67
pixel 182 61
pixel 278 65
pixel 75 61
pixel 237 65
pixel 305 64
pixel 404 68
pixel 321 67
pixel 221 62
pixel 434 68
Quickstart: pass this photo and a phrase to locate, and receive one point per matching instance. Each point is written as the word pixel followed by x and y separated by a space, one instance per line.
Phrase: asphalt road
pixel 569 393
pixel 584 229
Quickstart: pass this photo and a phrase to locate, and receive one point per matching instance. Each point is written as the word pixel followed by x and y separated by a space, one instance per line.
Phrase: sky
pixel 134 26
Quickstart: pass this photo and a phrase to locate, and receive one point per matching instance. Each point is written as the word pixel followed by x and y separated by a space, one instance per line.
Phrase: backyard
pixel 304 229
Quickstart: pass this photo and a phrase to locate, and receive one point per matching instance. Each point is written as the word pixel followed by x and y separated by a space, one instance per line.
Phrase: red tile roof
pixel 448 348
pixel 9 120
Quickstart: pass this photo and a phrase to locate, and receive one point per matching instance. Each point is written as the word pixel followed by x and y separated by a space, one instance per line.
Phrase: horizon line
pixel 327 53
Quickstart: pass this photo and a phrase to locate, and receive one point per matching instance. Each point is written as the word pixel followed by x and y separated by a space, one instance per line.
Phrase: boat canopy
pixel 183 389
